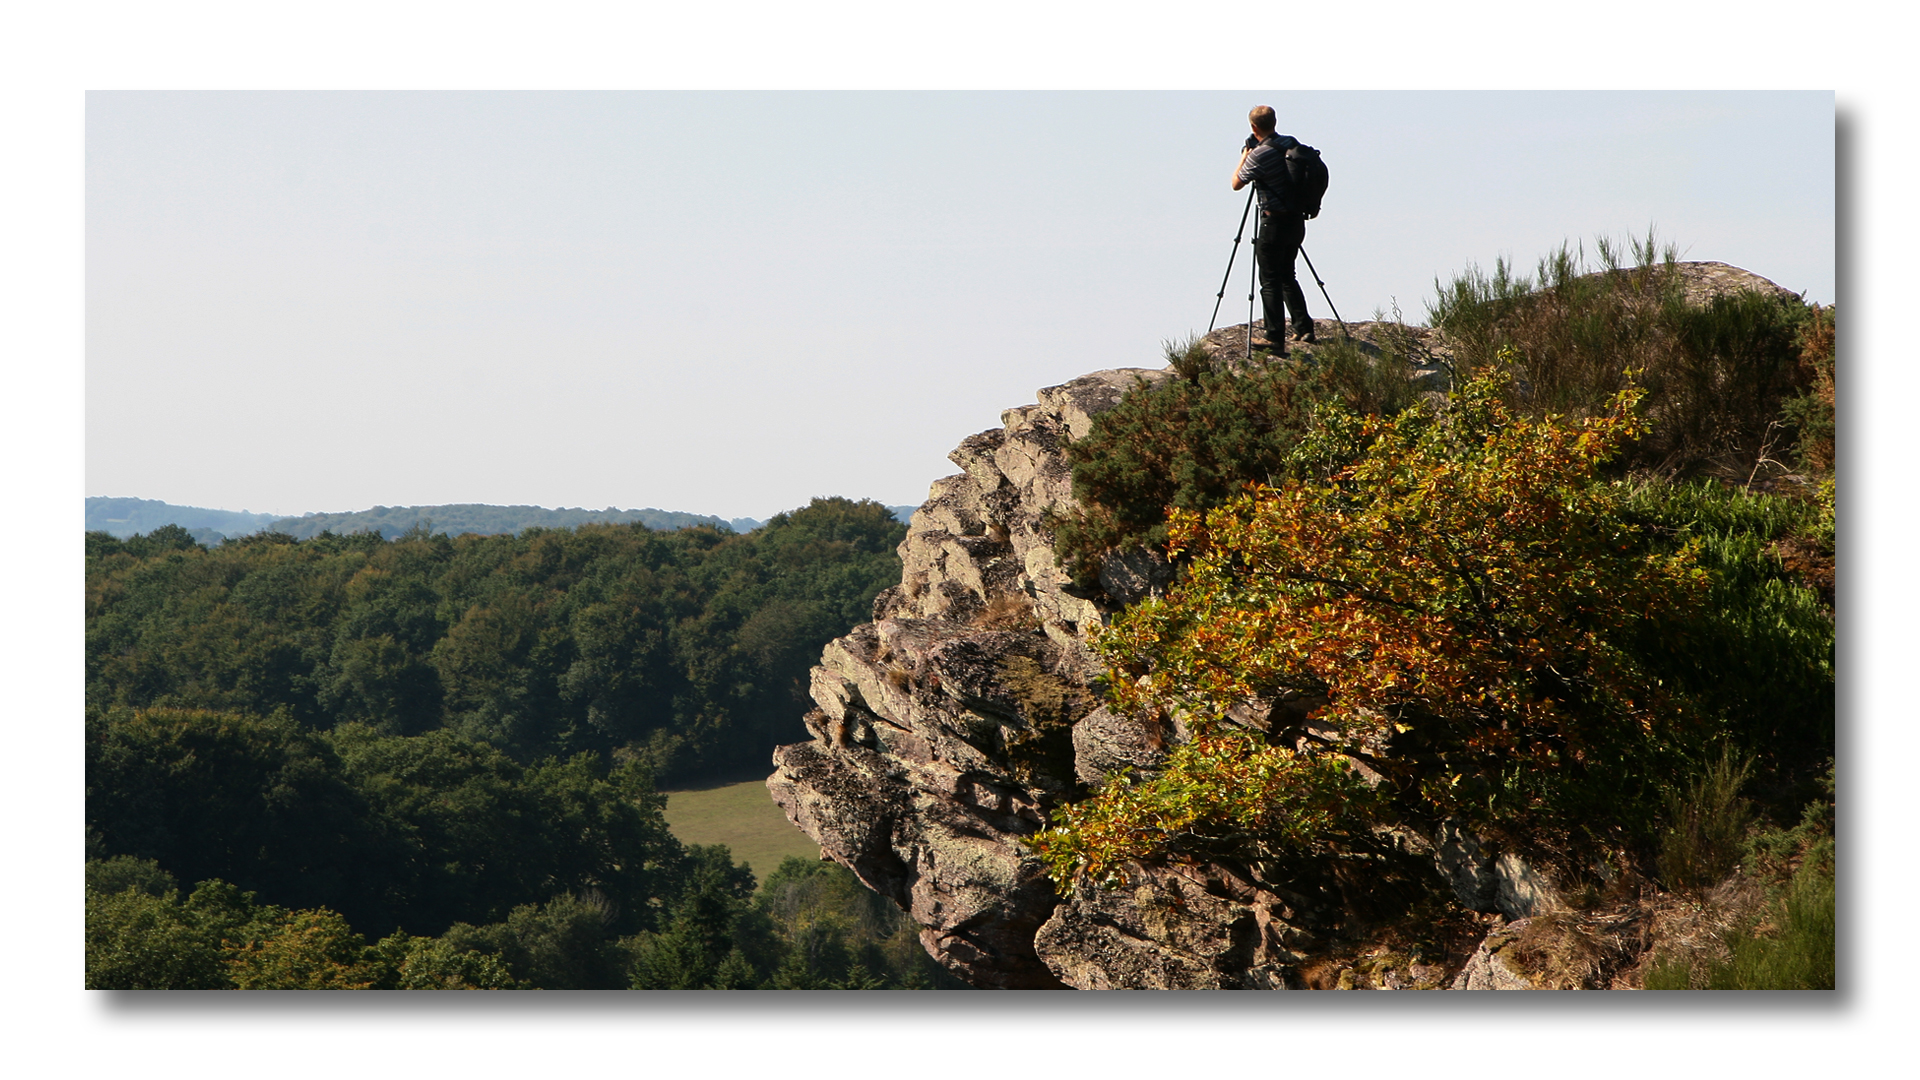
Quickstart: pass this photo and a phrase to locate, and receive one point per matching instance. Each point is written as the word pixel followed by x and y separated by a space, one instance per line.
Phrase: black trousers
pixel 1278 245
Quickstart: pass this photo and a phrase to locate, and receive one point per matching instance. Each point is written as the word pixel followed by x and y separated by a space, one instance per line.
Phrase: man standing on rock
pixel 1282 230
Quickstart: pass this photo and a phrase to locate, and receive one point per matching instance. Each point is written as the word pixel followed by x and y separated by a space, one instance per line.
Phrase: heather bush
pixel 1707 826
pixel 1186 444
pixel 1716 373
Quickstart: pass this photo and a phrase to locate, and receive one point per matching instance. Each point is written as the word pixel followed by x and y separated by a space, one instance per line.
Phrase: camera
pixel 1252 141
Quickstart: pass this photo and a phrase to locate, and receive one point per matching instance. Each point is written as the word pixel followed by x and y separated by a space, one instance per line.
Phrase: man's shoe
pixel 1306 337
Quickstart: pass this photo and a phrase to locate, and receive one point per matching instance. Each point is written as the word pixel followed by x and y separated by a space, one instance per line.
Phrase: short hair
pixel 1262 117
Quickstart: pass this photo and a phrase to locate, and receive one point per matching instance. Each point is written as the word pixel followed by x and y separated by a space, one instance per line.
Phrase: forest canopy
pixel 688 650
pixel 430 762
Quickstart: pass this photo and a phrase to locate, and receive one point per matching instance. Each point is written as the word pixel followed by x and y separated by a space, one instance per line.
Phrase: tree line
pixel 686 649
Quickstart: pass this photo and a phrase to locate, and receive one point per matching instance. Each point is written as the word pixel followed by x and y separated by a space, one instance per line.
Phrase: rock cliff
pixel 944 728
pixel 948 727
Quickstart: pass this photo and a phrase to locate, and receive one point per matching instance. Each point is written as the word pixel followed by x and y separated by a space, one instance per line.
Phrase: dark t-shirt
pixel 1266 167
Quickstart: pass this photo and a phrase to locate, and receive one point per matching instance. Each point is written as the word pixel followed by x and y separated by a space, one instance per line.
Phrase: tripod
pixel 1253 287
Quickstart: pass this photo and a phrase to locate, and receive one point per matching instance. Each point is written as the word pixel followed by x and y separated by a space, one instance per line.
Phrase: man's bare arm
pixel 1237 182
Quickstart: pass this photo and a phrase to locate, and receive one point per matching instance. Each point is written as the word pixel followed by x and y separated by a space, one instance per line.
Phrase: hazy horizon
pixel 541 506
pixel 127 516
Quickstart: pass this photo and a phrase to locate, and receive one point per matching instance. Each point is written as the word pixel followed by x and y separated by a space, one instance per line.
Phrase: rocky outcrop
pixel 947 729
pixel 1704 281
pixel 944 729
pixel 1176 928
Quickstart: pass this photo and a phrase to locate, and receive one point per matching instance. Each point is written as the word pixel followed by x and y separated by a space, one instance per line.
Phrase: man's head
pixel 1262 120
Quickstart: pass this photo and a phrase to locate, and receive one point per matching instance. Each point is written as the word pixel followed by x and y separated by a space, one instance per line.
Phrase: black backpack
pixel 1306 180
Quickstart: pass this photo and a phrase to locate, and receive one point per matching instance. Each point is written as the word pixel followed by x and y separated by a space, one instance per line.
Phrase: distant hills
pixel 124 517
pixel 457 518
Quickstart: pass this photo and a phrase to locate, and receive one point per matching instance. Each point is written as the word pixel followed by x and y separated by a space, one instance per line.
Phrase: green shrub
pixel 1797 952
pixel 1668 972
pixel 1193 442
pixel 1757 662
pixel 1811 413
pixel 1465 598
pixel 1577 332
pixel 1181 443
pixel 1371 382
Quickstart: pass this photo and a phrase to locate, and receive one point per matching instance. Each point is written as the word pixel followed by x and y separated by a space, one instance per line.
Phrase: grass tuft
pixel 1708 826
pixel 1008 611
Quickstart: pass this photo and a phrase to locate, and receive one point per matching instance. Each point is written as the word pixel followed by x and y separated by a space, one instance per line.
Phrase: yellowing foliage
pixel 1462 595
pixel 312 949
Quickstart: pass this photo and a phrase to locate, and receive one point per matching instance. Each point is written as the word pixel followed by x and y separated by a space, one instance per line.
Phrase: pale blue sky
pixel 730 302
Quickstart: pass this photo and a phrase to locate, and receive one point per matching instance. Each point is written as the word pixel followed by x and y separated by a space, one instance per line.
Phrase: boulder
pixel 1486 880
pixel 1174 928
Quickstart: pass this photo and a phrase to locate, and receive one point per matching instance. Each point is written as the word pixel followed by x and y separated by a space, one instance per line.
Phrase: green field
pixel 743 817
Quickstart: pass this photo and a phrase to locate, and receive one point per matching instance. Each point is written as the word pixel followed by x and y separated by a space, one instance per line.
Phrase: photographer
pixel 1283 228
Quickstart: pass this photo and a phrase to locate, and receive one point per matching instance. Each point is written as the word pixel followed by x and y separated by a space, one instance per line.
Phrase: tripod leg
pixel 1253 283
pixel 1323 292
pixel 1224 278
